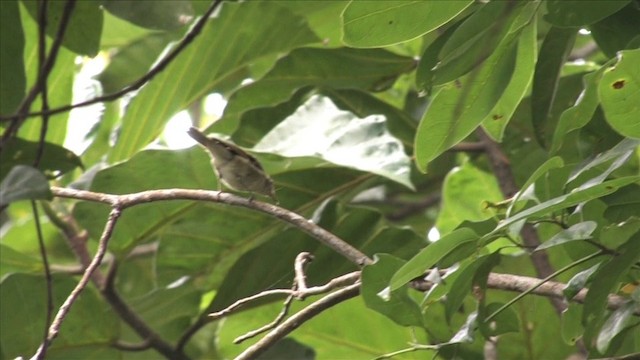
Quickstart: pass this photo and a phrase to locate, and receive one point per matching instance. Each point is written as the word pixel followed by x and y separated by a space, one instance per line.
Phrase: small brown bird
pixel 235 168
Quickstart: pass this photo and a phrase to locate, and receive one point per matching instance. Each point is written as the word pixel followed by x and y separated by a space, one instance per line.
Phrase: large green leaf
pixel 23 182
pixel 397 305
pixel 619 92
pixel 339 137
pixel 55 159
pixel 478 38
pixel 431 255
pixel 219 51
pixel 24 302
pixel 347 331
pixel 82 35
pixel 458 108
pixel 59 85
pixel 496 121
pixel 133 60
pixel 165 15
pixel 607 278
pixel 382 23
pixel 13 84
pixel 581 112
pixel 554 51
pixel 145 171
pixel 465 193
pixel 574 13
pixel 343 68
pixel 573 198
pixel 617 31
pixel 362 228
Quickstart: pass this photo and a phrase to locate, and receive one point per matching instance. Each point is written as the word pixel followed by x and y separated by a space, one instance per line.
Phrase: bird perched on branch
pixel 235 168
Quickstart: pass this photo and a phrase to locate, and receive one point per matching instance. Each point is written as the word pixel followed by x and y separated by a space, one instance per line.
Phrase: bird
pixel 235 168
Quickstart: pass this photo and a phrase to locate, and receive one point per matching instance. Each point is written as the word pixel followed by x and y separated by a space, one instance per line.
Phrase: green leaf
pixel 465 192
pixel 619 154
pixel 397 305
pixel 578 231
pixel 383 23
pixel 565 13
pixel 430 58
pixel 615 324
pixel 476 39
pixel 553 163
pixel 364 229
pixel 289 348
pixel 462 285
pixel 59 84
pixel 575 197
pixel 608 277
pixel 147 170
pixel 619 92
pixel 496 121
pixel 13 84
pixel 55 160
pixel 459 107
pixel 360 143
pixel 12 261
pixel 581 112
pixel 343 68
pixel 429 256
pixel 24 303
pixel 162 15
pixel 572 328
pixel 555 49
pixel 505 322
pixel 133 60
pixel 617 32
pixel 201 67
pixel 24 182
pixel 82 35
pixel 578 282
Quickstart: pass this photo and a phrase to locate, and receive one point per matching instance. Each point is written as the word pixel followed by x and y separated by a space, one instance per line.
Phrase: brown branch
pixel 135 321
pixel 54 329
pixel 468 147
pixel 502 170
pixel 47 275
pixel 283 313
pixel 298 319
pixel 520 284
pixel 123 201
pixel 161 65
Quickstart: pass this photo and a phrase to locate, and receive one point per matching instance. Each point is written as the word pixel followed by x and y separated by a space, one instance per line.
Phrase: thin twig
pixel 47 275
pixel 281 315
pixel 42 53
pixel 161 65
pixel 134 320
pixel 298 319
pixel 126 200
pixel 22 113
pixel 54 329
pixel 343 280
pixel 301 279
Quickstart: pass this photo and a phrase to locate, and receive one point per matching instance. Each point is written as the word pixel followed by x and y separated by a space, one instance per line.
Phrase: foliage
pixel 511 128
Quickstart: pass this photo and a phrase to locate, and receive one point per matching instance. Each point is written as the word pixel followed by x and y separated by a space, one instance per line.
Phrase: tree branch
pixel 127 200
pixel 54 329
pixel 298 319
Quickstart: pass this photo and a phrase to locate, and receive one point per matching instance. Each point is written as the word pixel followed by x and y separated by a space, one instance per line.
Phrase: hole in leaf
pixel 618 84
